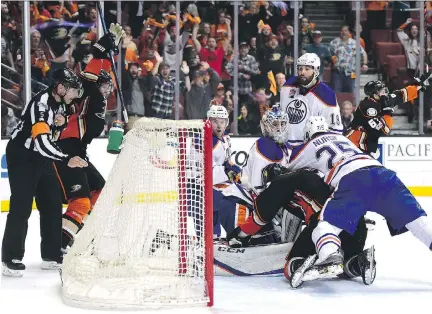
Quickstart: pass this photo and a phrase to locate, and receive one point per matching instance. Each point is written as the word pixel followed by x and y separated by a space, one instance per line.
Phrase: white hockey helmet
pixel 218 115
pixel 217 112
pixel 311 60
pixel 314 124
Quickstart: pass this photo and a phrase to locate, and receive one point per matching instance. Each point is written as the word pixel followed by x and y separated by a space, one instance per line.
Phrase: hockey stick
pixel 119 91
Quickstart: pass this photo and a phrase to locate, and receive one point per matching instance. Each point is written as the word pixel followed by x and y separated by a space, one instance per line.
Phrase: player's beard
pixel 304 80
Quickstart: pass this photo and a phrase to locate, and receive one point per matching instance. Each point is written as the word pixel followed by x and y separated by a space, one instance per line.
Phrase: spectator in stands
pixel 163 87
pixel 169 46
pixel 247 67
pixel 6 54
pixel 280 81
pixel 321 50
pixel 306 31
pixel 8 121
pixel 411 44
pixel 253 47
pixel 214 54
pixel 198 97
pixel 135 89
pixel 347 114
pixel 343 50
pixel 247 124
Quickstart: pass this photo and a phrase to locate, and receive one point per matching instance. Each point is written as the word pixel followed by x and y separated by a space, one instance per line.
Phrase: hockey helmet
pixel 218 115
pixel 216 111
pixel 372 88
pixel 68 79
pixel 311 60
pixel 105 78
pixel 274 124
pixel 315 124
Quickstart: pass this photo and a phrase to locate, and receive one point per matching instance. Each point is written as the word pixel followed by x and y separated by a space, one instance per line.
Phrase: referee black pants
pixel 32 175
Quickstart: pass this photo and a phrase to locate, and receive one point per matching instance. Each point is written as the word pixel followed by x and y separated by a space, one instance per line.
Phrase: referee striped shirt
pixel 34 129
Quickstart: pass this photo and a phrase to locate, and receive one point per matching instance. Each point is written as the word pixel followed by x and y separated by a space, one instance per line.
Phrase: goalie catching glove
pixel 108 42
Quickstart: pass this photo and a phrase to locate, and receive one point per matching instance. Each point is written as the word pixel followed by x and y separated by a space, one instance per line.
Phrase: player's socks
pixel 252 225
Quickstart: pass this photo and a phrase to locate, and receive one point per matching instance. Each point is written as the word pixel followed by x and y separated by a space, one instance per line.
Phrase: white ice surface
pixel 403 284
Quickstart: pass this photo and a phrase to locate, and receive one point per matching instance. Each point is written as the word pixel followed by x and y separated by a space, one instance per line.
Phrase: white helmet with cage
pixel 218 115
pixel 310 60
pixel 314 124
pixel 274 124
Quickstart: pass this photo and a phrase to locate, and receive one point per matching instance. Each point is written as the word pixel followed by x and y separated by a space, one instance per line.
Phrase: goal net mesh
pixel 144 244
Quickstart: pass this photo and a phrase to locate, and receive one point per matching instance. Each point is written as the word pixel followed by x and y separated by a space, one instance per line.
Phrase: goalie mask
pixel 314 125
pixel 274 124
pixel 219 118
pixel 308 69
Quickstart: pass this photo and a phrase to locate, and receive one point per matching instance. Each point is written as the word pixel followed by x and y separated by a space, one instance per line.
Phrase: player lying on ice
pixel 360 183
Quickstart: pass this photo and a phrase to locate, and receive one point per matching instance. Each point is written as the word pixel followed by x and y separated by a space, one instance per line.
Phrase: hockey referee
pixel 30 154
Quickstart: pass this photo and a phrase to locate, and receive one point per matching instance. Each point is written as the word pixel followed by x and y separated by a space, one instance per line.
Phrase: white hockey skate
pixel 50 265
pixel 13 268
pixel 310 270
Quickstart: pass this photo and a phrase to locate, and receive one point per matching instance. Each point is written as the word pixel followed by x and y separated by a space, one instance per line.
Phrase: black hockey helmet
pixel 373 87
pixel 68 79
pixel 105 77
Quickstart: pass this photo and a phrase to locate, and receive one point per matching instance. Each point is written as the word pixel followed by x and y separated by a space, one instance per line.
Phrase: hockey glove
pixel 108 42
pixel 270 172
pixel 232 171
pixel 424 81
pixel 117 32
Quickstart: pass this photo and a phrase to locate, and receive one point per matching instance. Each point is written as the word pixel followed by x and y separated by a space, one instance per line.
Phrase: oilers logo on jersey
pixel 296 110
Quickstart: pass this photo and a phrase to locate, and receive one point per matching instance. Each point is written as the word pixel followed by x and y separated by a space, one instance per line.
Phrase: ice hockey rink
pixel 403 284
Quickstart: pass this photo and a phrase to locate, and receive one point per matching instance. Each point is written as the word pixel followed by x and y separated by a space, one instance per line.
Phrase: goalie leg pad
pixel 261 260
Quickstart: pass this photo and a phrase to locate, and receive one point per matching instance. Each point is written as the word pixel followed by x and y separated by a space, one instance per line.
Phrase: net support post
pixel 208 216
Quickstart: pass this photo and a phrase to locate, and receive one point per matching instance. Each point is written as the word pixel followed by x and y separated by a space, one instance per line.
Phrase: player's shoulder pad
pixel 292 81
pixel 296 151
pixel 325 94
pixel 269 149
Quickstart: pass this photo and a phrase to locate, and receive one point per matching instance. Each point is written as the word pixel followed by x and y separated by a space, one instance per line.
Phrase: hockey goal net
pixel 148 241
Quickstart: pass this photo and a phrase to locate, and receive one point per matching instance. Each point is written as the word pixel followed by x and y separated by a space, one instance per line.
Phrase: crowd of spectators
pixel 62 33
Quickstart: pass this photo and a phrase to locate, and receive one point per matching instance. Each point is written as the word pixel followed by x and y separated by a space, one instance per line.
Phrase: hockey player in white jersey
pixel 269 149
pixel 223 168
pixel 234 204
pixel 360 183
pixel 305 95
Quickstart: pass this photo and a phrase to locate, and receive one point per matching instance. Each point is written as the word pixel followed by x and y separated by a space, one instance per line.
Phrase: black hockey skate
pixel 235 241
pixel 367 263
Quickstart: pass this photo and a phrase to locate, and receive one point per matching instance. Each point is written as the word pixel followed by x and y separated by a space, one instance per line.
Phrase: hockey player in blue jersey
pixel 360 184
pixel 305 95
